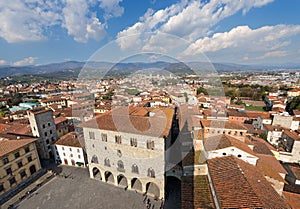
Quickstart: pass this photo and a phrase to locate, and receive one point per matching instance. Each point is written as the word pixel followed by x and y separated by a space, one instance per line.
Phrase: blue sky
pixel 237 31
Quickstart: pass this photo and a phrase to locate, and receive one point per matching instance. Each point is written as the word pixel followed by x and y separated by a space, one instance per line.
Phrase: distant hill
pixel 73 68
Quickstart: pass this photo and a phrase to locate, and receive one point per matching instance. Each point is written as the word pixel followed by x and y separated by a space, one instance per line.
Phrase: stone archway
pixel 97 174
pixel 109 177
pixel 152 189
pixel 122 181
pixel 136 184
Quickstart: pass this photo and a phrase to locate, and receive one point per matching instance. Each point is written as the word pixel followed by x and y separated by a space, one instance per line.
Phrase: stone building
pixel 43 126
pixel 128 149
pixel 18 161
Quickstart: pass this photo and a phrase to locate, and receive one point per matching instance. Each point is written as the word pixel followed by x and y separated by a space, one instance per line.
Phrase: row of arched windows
pixel 120 164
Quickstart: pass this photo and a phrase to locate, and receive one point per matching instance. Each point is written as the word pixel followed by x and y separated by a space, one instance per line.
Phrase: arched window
pixel 134 168
pixel 94 159
pixel 151 173
pixel 121 166
pixel 107 162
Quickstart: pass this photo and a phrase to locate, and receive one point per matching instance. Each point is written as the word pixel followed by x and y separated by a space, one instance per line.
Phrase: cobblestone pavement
pixel 79 191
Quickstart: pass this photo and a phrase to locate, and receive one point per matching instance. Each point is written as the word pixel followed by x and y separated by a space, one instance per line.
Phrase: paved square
pixel 79 191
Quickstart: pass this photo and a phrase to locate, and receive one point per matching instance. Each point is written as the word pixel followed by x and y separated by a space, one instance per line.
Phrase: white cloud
pixel 78 24
pixel 111 8
pixel 3 62
pixel 30 20
pixel 244 38
pixel 189 20
pixel 26 20
pixel 25 61
pixel 274 54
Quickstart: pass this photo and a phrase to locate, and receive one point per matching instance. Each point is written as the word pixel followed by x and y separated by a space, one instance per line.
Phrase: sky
pixel 34 32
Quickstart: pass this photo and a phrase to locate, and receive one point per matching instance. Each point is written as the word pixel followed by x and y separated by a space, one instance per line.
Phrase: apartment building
pixel 18 161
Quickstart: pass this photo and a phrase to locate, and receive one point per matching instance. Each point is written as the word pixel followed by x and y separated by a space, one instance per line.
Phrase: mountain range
pixel 73 68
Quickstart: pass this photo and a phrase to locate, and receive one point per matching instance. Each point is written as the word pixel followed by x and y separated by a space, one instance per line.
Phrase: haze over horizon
pixel 34 32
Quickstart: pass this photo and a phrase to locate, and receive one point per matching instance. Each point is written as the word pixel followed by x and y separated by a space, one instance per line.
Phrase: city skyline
pixel 245 32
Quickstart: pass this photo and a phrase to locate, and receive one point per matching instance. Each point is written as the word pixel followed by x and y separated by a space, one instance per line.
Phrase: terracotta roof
pixel 236 113
pixel 293 199
pixel 271 167
pixel 222 124
pixel 292 134
pixel 7 146
pixel 295 168
pixel 60 119
pixel 273 128
pixel 70 139
pixel 119 120
pixel 258 148
pixel 252 130
pixel 53 99
pixel 224 141
pixel 196 193
pixel 241 185
pixel 39 110
pixel 255 114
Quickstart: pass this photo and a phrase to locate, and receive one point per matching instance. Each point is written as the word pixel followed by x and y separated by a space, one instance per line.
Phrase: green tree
pixel 201 90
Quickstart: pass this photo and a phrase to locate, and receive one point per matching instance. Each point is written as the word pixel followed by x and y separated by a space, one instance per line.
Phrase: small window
pixel 50 131
pixel 29 158
pixel 23 174
pixel 133 142
pixel 47 141
pixel 107 162
pixel 70 149
pixel 135 169
pixel 119 153
pixel 44 126
pixel 120 166
pixel 1 187
pixel 45 133
pixel 224 153
pixel 8 171
pixel 150 144
pixel 151 173
pixel 78 150
pixel 48 124
pixel 27 149
pixel 71 155
pixel 63 148
pixel 118 139
pixel 20 164
pixel 104 137
pixel 17 154
pixel 79 156
pixel 12 180
pixel 239 155
pixel 5 160
pixel 64 154
pixel 92 135
pixel 94 159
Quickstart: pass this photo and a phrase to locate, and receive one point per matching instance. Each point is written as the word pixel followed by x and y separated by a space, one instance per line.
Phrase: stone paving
pixel 79 191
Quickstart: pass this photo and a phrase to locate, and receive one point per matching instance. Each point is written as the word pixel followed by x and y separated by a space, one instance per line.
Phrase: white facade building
pixel 69 150
pixel 129 150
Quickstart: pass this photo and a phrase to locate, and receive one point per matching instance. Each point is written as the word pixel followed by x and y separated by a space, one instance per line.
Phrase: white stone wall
pixel 295 125
pixel 141 156
pixel 235 152
pixel 70 153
